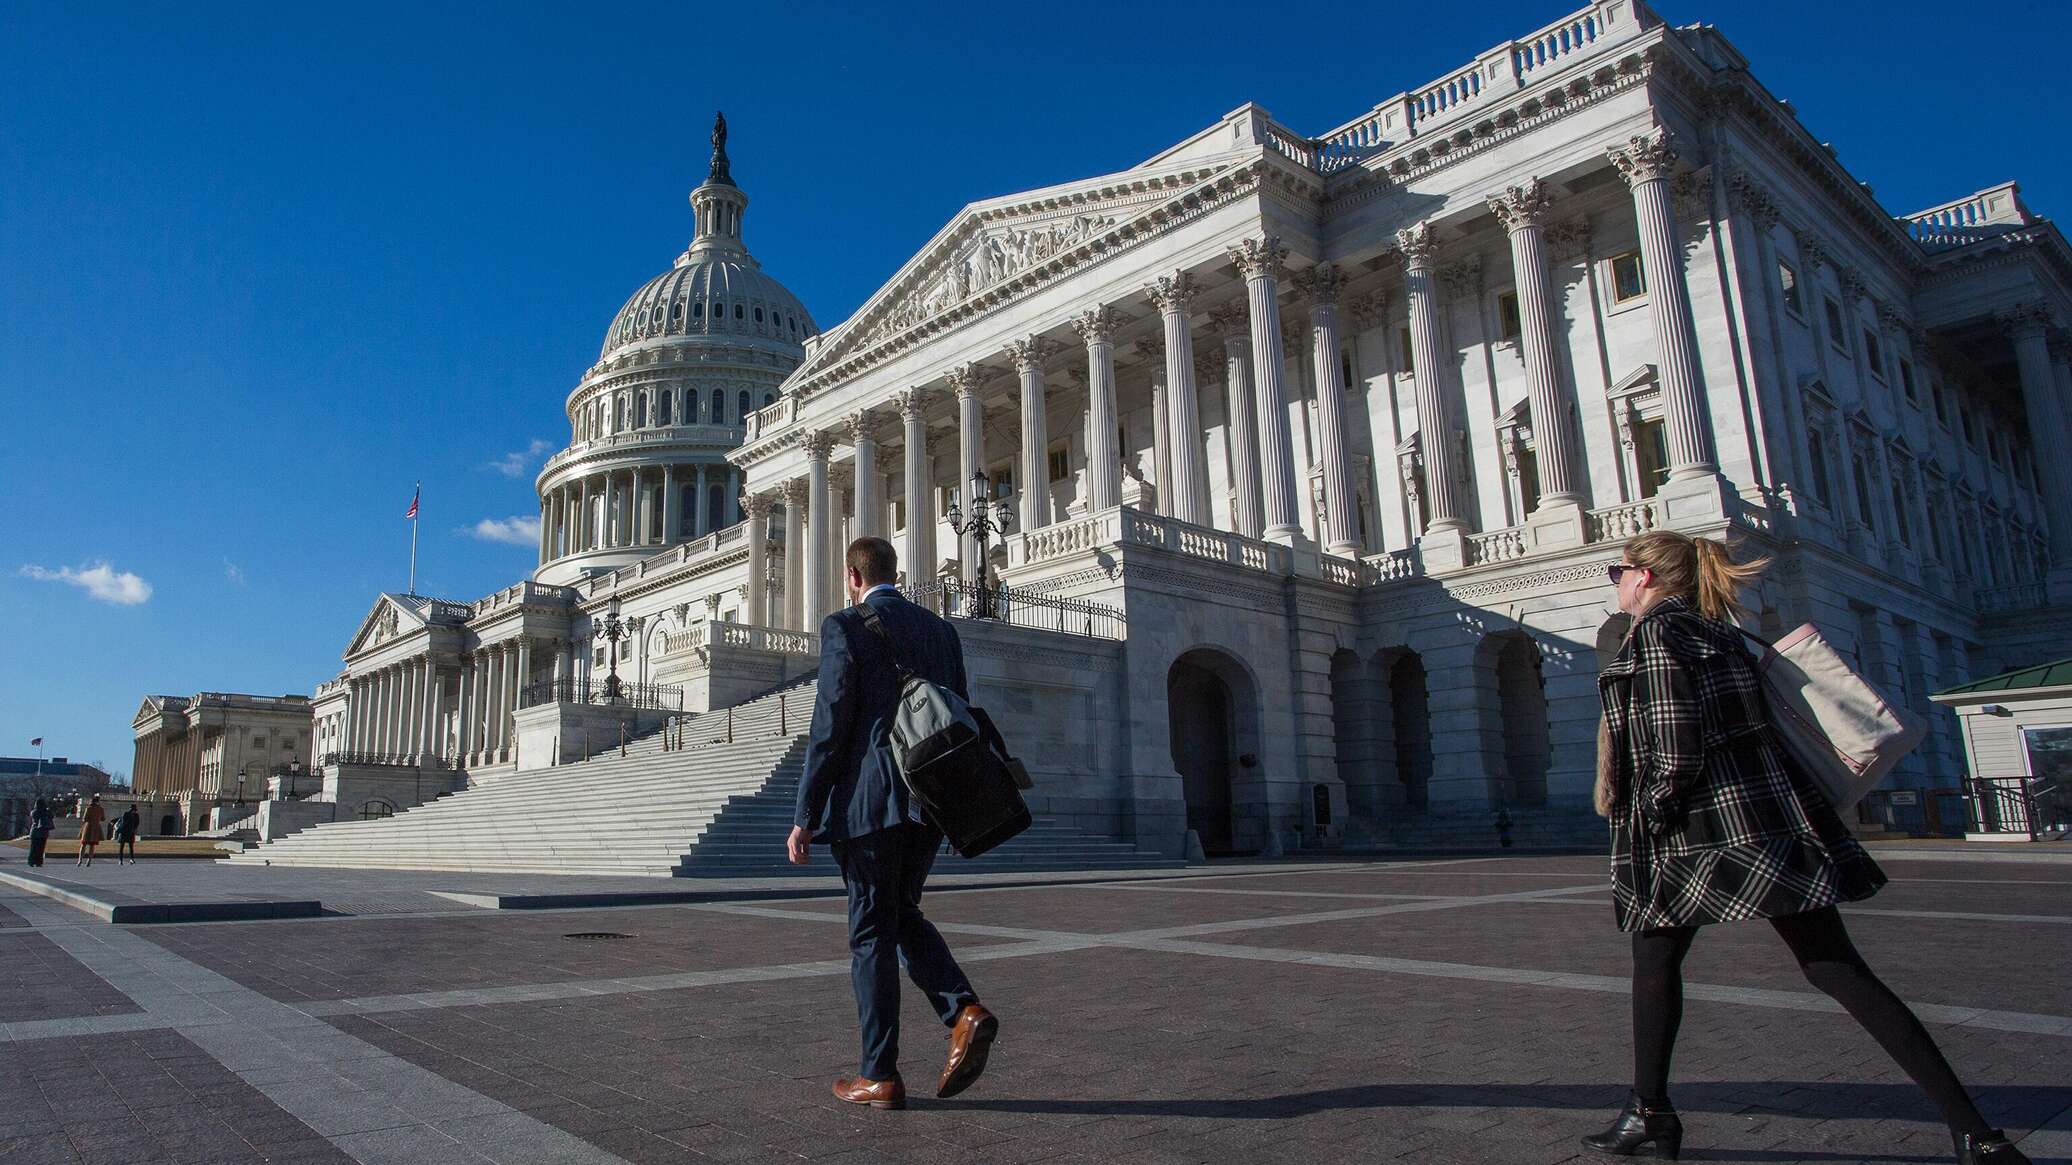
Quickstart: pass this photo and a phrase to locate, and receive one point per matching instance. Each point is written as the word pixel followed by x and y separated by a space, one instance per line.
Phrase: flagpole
pixel 413 557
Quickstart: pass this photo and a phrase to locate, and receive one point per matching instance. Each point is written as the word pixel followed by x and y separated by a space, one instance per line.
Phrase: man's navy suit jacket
pixel 852 785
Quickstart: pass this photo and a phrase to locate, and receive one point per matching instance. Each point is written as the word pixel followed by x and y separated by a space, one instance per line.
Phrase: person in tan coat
pixel 91 830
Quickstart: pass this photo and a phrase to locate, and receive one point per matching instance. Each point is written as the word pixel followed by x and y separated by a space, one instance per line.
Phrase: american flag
pixel 413 500
pixel 36 743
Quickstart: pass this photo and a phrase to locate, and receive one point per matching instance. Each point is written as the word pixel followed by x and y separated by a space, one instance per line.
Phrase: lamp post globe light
pixel 989 516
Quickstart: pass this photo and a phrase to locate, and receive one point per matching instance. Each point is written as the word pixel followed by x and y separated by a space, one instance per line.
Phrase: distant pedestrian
pixel 126 836
pixel 1712 821
pixel 90 831
pixel 40 822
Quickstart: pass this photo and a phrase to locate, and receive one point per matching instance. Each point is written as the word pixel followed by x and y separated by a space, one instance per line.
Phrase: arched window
pixel 759 315
pixel 697 311
pixel 737 311
pixel 719 311
pixel 769 399
pixel 719 406
pixel 375 809
pixel 662 409
pixel 640 411
pixel 676 310
pixel 747 402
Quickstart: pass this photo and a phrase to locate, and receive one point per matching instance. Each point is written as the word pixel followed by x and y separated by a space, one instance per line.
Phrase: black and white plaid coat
pixel 1712 821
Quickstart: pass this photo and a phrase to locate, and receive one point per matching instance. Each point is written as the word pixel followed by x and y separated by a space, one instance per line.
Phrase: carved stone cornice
pixel 1419 245
pixel 1811 251
pixel 2026 321
pixel 1745 193
pixel 1097 325
pixel 1853 288
pixel 1172 293
pixel 1568 238
pixel 1259 259
pixel 1029 353
pixel 1231 319
pixel 1521 206
pixel 912 404
pixel 1463 278
pixel 1322 284
pixel 1646 157
pixel 1690 194
pixel 963 379
pixel 1369 309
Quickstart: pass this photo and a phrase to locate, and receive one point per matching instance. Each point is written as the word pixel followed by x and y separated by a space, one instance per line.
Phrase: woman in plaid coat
pixel 1712 822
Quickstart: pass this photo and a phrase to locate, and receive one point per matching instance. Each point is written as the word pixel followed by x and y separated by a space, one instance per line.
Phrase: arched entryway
pixel 169 826
pixel 1213 722
pixel 1410 712
pixel 1522 703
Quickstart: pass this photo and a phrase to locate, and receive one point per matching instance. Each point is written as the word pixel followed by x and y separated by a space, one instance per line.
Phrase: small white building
pixel 2017 733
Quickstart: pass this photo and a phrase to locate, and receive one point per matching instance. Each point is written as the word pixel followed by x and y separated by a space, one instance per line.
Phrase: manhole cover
pixel 594 935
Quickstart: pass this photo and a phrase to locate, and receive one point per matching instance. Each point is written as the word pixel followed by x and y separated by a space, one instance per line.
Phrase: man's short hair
pixel 874 560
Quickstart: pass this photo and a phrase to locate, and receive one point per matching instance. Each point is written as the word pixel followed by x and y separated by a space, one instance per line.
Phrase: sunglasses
pixel 1618 570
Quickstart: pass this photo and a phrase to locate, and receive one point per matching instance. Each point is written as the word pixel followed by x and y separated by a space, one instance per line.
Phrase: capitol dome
pixel 695 351
pixel 712 294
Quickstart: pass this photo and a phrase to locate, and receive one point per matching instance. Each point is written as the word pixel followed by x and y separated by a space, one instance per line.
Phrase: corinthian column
pixel 794 492
pixel 2027 326
pixel 1522 210
pixel 1436 442
pixel 920 513
pixel 1028 357
pixel 1260 264
pixel 1103 459
pixel 971 440
pixel 1341 505
pixel 870 504
pixel 1229 322
pixel 1187 494
pixel 1645 162
pixel 819 508
pixel 758 507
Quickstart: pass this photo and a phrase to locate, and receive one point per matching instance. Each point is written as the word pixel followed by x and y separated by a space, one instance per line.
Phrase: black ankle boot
pixel 1990 1148
pixel 1643 1125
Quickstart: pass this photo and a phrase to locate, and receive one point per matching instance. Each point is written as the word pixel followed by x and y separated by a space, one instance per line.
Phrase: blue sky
pixel 263 267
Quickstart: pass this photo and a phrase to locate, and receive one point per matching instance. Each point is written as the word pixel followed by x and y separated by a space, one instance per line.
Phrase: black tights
pixel 1820 943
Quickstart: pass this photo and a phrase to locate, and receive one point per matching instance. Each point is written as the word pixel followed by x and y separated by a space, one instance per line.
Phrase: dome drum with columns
pixel 687 358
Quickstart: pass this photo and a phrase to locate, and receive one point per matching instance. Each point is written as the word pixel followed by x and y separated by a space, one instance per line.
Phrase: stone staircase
pixel 715 803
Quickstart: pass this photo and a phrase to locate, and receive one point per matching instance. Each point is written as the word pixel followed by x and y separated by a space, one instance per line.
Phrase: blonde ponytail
pixel 1702 568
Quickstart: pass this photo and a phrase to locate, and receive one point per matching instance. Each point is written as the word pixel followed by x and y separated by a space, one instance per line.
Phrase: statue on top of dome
pixel 719 150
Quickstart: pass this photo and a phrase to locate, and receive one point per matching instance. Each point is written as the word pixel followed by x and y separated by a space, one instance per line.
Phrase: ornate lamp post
pixel 611 629
pixel 988 517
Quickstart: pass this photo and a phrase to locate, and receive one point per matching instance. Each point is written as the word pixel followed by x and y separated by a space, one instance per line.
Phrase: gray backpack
pixel 953 759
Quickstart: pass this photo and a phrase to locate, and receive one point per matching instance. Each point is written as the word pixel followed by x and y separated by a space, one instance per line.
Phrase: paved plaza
pixel 1447 1010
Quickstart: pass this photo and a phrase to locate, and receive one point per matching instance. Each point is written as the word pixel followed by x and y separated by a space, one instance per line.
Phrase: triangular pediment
pixel 1641 379
pixel 389 619
pixel 992 251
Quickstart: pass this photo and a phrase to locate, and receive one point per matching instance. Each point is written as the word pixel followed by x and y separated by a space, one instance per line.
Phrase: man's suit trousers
pixel 885 870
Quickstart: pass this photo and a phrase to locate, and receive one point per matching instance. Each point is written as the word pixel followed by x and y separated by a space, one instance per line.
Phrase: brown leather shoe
pixel 971 1039
pixel 887 1094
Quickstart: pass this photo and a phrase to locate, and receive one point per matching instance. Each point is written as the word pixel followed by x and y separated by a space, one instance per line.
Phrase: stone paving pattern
pixel 1363 1012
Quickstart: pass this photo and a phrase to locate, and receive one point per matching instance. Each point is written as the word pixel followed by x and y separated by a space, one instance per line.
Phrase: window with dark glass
pixel 1906 379
pixel 1060 464
pixel 1816 464
pixel 1651 456
pixel 1788 279
pixel 1863 496
pixel 1899 514
pixel 1874 353
pixel 1837 332
pixel 1508 325
pixel 1409 361
pixel 1629 279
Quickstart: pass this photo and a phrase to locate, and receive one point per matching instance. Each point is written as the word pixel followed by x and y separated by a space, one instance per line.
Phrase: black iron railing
pixel 664 697
pixel 955 599
pixel 2016 805
pixel 396 759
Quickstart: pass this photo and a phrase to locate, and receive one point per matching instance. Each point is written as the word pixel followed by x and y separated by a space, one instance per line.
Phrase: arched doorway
pixel 169 826
pixel 1410 710
pixel 1522 703
pixel 1211 714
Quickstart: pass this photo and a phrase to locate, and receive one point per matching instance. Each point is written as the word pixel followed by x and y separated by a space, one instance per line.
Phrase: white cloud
pixel 518 462
pixel 99 580
pixel 234 572
pixel 519 531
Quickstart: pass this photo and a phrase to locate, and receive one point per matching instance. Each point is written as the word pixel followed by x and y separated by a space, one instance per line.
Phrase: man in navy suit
pixel 853 797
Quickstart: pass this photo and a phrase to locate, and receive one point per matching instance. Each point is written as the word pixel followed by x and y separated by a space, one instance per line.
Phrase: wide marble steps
pixel 706 806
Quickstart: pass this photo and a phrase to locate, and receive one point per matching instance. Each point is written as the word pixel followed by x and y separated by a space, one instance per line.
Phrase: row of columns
pixel 572 521
pixel 405 713
pixel 167 766
pixel 1266 501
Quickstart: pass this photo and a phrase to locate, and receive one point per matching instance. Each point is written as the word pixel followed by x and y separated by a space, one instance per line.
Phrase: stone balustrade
pixel 717 435
pixel 2019 596
pixel 1992 211
pixel 1393 566
pixel 1618 523
pixel 1506 545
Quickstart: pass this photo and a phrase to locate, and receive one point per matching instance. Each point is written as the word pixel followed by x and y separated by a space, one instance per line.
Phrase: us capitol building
pixel 1312 451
